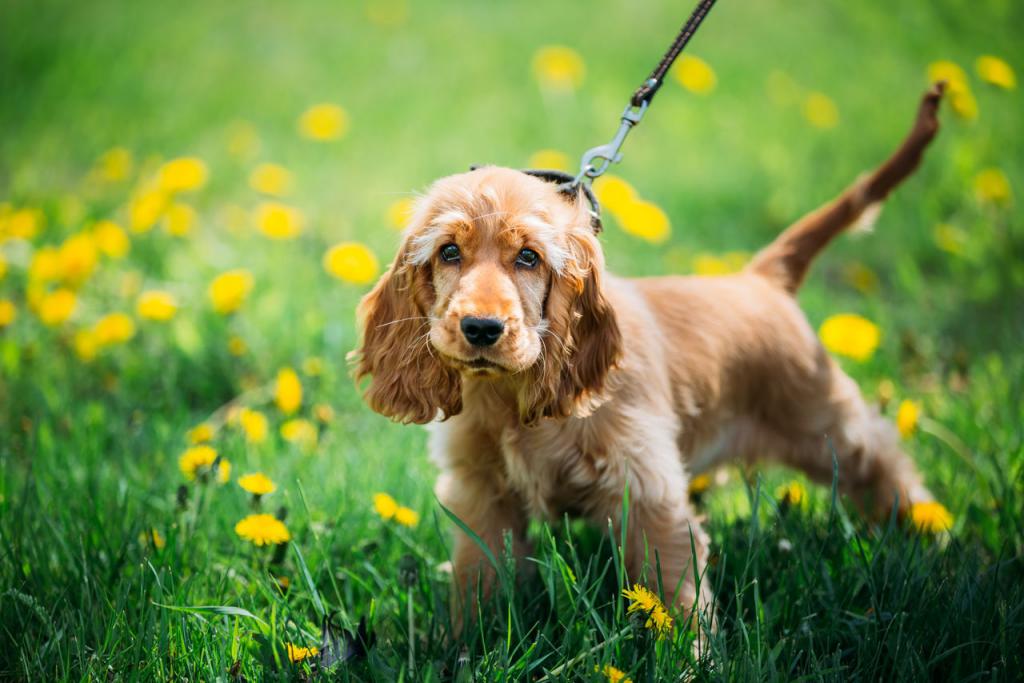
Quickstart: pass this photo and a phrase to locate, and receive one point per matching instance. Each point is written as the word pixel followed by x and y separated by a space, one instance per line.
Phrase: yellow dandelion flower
pixel 709 264
pixel 263 530
pixel 156 305
pixel 950 239
pixel 237 346
pixel 907 416
pixel 110 239
pixel 964 104
pixel 195 460
pixel 950 72
pixel 385 505
pixel 699 484
pixel 549 158
pixel 850 335
pixel 77 258
pixel 323 413
pixel 145 210
pixel 645 220
pixel 158 541
pixel 324 122
pixel 243 140
pixel 300 431
pixel 229 290
pixel 351 262
pixel 930 517
pixel 399 212
pixel 57 306
pixel 996 71
pixel 279 221
pixel 794 493
pixel 113 328
pixel 820 111
pixel 961 99
pixel 114 165
pixel 3 267
pixel 24 224
pixel 183 174
pixel 287 391
pixel 257 483
pixel 254 424
pixel 991 186
pixel 179 219
pixel 614 193
pixel 694 74
pixel 557 67
pixel 614 675
pixel 201 433
pixel 8 312
pixel 45 265
pixel 407 517
pixel 86 346
pixel 643 600
pixel 296 653
pixel 223 471
pixel 272 179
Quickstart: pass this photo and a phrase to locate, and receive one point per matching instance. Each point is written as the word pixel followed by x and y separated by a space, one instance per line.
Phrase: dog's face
pixel 491 240
pixel 498 277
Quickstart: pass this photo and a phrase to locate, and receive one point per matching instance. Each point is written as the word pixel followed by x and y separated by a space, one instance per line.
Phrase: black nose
pixel 482 331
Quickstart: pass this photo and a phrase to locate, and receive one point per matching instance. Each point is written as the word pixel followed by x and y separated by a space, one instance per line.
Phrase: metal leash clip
pixel 606 155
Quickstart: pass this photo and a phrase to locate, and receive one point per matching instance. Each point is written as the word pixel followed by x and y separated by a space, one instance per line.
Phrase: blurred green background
pixel 89 449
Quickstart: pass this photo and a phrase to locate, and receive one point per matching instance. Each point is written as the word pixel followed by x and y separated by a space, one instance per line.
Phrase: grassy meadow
pixel 193 197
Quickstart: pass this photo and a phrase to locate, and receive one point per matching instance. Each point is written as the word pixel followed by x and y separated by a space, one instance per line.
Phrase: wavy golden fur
pixel 598 382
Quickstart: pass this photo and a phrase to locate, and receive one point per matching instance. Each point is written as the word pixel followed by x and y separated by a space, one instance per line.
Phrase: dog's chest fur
pixel 554 469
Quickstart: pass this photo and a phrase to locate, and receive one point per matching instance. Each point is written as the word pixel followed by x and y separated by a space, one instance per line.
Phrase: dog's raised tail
pixel 785 260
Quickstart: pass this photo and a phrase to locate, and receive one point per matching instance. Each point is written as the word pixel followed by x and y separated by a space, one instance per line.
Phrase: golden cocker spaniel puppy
pixel 552 384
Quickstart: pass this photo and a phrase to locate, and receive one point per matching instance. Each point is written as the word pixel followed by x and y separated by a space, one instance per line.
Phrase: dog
pixel 553 385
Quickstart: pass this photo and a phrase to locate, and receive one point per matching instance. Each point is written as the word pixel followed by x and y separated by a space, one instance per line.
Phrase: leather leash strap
pixel 595 161
pixel 647 91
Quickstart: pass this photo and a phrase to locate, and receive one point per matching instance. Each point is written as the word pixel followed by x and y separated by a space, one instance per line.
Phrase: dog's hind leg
pixel 830 422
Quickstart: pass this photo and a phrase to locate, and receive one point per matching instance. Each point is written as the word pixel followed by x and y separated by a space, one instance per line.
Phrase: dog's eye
pixel 527 258
pixel 450 253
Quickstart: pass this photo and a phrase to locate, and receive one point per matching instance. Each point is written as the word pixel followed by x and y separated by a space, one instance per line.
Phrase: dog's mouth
pixel 480 366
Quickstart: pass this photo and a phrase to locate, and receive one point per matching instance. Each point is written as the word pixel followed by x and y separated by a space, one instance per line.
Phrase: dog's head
pixel 499 277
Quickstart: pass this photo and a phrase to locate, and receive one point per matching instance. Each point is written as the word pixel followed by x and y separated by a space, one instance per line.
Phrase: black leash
pixel 647 91
pixel 596 161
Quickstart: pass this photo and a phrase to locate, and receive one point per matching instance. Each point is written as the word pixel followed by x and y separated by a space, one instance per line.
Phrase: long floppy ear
pixel 408 383
pixel 583 342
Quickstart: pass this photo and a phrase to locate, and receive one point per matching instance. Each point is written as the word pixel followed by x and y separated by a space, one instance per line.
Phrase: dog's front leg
pixel 478 500
pixel 663 534
pixel 665 545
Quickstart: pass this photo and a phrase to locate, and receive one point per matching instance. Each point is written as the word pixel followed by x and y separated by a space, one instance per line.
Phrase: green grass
pixel 88 451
